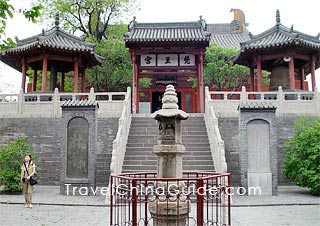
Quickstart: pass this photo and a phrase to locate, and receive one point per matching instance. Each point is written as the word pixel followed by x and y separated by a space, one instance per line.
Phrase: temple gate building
pixel 168 53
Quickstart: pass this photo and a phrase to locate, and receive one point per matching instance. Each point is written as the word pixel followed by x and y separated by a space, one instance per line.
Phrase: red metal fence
pixel 205 194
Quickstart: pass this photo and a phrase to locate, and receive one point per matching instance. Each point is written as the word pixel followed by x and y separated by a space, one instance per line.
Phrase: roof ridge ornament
pixel 57 20
pixel 278 17
pixel 203 23
pixel 132 23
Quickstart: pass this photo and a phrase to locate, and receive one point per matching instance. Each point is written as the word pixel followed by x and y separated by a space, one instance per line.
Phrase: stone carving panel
pixel 77 148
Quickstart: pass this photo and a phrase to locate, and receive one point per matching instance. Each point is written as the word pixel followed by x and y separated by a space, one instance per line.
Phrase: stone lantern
pixel 169 151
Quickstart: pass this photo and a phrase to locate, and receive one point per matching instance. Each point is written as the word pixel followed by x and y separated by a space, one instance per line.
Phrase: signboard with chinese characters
pixel 148 60
pixel 187 59
pixel 152 60
pixel 167 59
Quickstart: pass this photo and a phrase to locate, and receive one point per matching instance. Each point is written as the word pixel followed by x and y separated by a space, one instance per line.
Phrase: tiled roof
pixel 257 106
pixel 280 35
pixel 226 36
pixel 78 103
pixel 167 32
pixel 54 38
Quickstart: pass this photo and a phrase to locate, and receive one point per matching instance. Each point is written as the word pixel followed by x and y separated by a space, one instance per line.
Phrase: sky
pixel 260 15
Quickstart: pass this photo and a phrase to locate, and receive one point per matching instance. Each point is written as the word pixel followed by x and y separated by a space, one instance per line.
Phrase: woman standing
pixel 28 169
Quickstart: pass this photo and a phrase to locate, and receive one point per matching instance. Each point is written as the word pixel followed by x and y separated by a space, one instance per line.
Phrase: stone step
pixel 137 168
pixel 143 136
pixel 205 156
pixel 155 130
pixel 154 162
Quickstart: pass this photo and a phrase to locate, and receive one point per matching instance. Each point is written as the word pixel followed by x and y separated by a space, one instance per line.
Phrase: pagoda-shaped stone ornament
pixel 169 211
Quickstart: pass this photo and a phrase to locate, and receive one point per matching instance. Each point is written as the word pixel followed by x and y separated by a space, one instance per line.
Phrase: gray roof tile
pixel 54 38
pixel 280 35
pixel 78 103
pixel 167 32
pixel 256 106
pixel 227 36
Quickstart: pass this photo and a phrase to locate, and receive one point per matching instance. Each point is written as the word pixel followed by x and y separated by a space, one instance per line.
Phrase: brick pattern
pixel 46 137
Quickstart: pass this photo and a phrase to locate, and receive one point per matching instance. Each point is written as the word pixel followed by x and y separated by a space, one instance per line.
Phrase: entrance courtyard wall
pixel 229 129
pixel 45 138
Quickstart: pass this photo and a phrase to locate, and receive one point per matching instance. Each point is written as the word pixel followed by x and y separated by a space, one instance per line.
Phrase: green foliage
pixel 145 82
pixel 302 157
pixel 91 17
pixel 11 159
pixel 115 74
pixel 194 81
pixel 219 70
pixel 6 12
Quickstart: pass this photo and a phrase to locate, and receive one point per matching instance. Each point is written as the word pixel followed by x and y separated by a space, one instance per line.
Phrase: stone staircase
pixel 143 135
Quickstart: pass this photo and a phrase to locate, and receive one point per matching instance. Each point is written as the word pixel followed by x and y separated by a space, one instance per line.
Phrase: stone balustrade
pixel 120 142
pixel 216 143
pixel 288 103
pixel 47 104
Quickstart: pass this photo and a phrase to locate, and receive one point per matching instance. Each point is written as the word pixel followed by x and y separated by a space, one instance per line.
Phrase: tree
pixel 302 157
pixel 91 17
pixel 7 10
pixel 115 74
pixel 219 70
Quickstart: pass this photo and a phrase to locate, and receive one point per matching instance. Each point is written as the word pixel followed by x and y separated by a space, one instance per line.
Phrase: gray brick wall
pixel 229 129
pixel 45 138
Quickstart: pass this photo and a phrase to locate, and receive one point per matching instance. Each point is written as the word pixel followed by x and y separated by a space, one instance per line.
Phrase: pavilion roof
pixel 55 38
pixel 167 32
pixel 227 35
pixel 275 38
pixel 280 35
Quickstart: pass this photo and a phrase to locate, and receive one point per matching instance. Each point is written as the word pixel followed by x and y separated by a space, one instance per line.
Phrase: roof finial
pixel 291 29
pixel 132 23
pixel 278 16
pixel 57 20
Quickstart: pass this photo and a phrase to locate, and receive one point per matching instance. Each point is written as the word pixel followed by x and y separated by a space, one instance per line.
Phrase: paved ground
pixel 292 207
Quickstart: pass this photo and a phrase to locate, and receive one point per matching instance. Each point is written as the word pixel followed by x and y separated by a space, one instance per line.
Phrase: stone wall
pixel 229 129
pixel 45 138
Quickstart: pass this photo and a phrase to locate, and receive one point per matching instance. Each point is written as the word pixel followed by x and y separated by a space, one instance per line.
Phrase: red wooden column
pixel 313 73
pixel 302 78
pixel 24 74
pixel 83 80
pixel 252 79
pixel 135 107
pixel 259 75
pixel 34 80
pixel 62 82
pixel 76 75
pixel 200 84
pixel 291 73
pixel 44 73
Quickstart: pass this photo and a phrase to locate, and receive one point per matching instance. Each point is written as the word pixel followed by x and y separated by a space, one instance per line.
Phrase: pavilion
pixel 56 51
pixel 288 54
